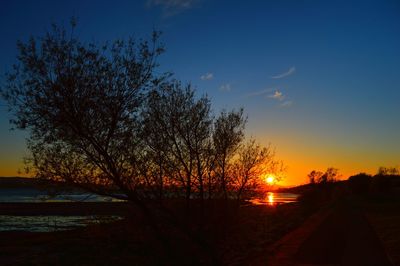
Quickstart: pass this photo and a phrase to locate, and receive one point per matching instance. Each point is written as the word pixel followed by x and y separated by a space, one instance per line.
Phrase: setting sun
pixel 269 179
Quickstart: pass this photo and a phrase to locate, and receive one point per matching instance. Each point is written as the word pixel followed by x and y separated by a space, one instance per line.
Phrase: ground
pixel 353 231
pixel 348 230
pixel 236 236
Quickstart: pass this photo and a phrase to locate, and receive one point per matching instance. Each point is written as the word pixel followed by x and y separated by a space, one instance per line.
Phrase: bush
pixel 381 183
pixel 360 183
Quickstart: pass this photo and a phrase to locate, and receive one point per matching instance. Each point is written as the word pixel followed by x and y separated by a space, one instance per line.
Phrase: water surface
pixel 275 198
pixel 50 223
pixel 37 195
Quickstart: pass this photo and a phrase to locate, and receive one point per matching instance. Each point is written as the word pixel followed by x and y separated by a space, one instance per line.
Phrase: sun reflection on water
pixel 270 198
pixel 274 198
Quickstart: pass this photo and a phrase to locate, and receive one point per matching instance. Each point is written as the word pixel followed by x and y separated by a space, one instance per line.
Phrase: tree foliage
pixel 388 171
pixel 330 175
pixel 101 118
pixel 177 129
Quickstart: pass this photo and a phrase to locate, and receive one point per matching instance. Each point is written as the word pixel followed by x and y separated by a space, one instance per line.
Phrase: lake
pixel 49 223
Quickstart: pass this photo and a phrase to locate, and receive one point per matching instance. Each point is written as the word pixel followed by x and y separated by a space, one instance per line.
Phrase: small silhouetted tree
pixel 331 175
pixel 314 176
pixel 388 171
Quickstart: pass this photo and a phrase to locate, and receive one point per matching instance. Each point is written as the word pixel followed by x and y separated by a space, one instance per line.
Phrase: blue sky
pixel 319 80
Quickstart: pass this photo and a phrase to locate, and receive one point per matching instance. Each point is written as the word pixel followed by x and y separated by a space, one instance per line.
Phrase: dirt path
pixel 344 237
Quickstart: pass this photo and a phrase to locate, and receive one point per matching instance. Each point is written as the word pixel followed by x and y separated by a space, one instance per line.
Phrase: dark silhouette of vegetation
pixel 100 118
pixel 177 129
pixel 323 187
pixel 386 179
pixel 317 177
pixel 388 171
pixel 360 183
pixel 314 176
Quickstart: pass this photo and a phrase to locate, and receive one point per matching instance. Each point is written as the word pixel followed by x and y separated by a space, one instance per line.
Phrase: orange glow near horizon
pixel 10 168
pixel 302 151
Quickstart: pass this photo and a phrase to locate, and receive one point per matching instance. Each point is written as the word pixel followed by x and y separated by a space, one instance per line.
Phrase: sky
pixel 318 80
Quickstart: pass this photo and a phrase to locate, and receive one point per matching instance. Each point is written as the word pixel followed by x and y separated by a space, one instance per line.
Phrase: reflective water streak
pixel 274 198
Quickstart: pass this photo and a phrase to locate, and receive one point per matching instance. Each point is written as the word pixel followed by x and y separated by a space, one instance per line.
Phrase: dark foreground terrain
pixel 345 230
pixel 343 237
pixel 354 231
pixel 227 236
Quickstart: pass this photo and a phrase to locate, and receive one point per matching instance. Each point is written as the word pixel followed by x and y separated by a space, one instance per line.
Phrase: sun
pixel 270 179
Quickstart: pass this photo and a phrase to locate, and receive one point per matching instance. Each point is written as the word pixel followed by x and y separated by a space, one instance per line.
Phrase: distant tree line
pixel 384 181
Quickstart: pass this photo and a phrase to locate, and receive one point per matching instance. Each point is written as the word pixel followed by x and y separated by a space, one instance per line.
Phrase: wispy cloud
pixel 259 93
pixel 286 104
pixel 207 76
pixel 287 73
pixel 277 96
pixel 172 7
pixel 225 87
pixel 274 94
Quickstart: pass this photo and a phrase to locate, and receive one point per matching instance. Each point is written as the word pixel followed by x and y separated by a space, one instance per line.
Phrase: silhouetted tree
pixel 314 176
pixel 100 118
pixel 331 175
pixel 388 171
